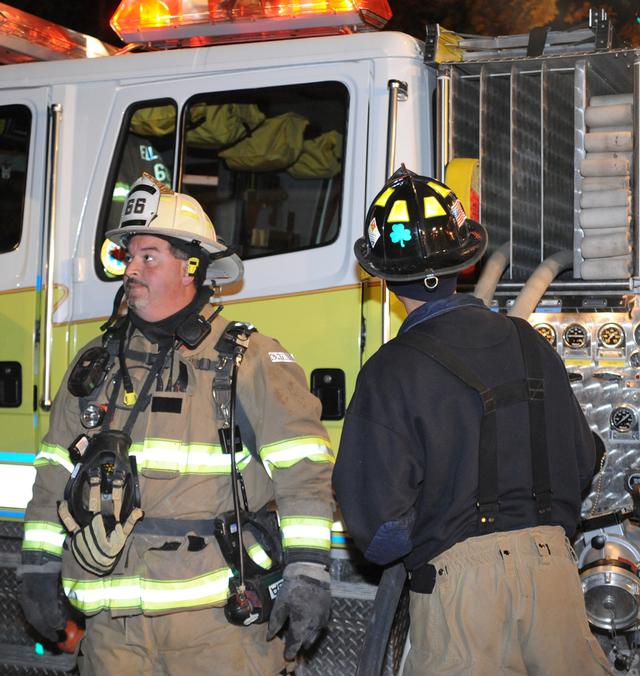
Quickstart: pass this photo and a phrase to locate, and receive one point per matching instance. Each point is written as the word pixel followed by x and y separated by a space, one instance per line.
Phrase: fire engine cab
pixel 283 119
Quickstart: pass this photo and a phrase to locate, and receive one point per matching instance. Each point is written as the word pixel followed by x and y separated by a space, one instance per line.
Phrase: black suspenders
pixel 529 389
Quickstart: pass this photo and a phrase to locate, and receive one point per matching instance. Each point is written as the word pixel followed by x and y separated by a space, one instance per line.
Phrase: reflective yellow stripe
pixel 187 458
pixel 432 207
pixel 399 212
pixel 382 200
pixel 440 189
pixel 284 454
pixel 151 595
pixel 52 454
pixel 259 556
pixel 306 531
pixel 43 536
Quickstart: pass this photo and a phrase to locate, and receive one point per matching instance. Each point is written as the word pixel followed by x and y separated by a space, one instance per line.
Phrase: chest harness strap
pixel 528 389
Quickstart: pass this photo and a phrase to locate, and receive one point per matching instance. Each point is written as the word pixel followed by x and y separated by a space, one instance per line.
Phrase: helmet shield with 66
pixel 417 228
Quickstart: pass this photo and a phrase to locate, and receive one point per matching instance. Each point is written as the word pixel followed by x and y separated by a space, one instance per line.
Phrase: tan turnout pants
pixel 198 642
pixel 505 603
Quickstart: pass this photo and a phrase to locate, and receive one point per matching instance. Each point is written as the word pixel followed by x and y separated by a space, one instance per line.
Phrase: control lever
pixel 632 485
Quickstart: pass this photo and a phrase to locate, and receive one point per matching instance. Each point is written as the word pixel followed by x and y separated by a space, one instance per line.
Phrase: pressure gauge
pixel 634 359
pixel 547 332
pixel 636 334
pixel 623 419
pixel 575 336
pixel 611 335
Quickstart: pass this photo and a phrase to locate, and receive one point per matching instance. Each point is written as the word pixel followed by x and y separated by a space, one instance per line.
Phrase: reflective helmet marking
pixel 400 234
pixel 432 207
pixel 374 233
pixel 440 189
pixel 399 212
pixel 141 206
pixel 382 200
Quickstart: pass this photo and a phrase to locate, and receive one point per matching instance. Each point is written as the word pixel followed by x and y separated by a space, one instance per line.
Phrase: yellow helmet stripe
pixel 440 189
pixel 399 212
pixel 432 207
pixel 384 198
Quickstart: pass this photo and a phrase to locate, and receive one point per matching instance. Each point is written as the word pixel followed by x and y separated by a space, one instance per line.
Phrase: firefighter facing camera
pixel 463 456
pixel 173 440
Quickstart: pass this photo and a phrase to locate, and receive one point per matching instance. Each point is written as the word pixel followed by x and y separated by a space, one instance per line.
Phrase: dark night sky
pixel 92 16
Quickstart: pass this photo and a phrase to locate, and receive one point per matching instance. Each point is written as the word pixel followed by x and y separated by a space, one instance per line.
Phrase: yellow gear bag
pixel 320 158
pixel 224 125
pixel 276 144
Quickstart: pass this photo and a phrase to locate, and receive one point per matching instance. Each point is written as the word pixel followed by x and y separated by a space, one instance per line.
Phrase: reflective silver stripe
pixel 284 454
pixel 151 595
pixel 43 535
pixel 53 454
pixel 259 556
pixel 186 458
pixel 306 531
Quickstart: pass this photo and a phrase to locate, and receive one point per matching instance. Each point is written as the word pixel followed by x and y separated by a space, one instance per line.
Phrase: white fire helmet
pixel 153 209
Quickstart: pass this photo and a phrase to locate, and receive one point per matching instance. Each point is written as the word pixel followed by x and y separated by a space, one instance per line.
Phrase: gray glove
pixel 41 597
pixel 94 549
pixel 305 600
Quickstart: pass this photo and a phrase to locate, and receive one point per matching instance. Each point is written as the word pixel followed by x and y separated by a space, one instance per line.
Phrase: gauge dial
pixel 634 359
pixel 547 332
pixel 611 335
pixel 636 334
pixel 575 336
pixel 622 419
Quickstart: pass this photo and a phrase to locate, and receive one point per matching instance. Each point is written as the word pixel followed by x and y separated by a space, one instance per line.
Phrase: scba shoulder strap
pixel 528 389
pixel 231 346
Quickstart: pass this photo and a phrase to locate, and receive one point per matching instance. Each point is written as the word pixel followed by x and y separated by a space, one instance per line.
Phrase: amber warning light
pixel 237 20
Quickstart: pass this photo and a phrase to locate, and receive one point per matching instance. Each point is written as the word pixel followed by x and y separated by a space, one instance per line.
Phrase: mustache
pixel 131 282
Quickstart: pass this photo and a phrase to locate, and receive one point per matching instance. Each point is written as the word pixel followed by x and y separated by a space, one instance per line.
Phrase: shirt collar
pixel 440 307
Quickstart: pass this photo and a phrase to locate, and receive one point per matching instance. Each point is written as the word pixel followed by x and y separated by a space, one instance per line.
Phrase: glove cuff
pixel 316 571
pixel 294 555
pixel 50 568
pixel 38 562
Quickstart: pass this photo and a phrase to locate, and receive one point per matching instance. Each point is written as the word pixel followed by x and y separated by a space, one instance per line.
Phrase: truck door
pixel 277 165
pixel 23 143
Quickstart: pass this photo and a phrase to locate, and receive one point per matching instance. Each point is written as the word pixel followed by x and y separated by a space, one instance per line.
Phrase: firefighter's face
pixel 156 283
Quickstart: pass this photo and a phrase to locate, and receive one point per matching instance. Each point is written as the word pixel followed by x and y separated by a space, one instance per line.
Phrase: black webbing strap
pixel 529 389
pixel 142 399
pixel 537 420
pixel 487 501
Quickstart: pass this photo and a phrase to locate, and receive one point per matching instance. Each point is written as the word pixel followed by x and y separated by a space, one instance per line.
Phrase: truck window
pixel 15 130
pixel 147 144
pixel 267 164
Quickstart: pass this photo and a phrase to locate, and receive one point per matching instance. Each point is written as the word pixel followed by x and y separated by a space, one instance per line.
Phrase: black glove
pixel 42 600
pixel 305 600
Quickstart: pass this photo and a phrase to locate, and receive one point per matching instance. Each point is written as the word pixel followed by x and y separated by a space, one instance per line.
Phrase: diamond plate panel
pixel 603 380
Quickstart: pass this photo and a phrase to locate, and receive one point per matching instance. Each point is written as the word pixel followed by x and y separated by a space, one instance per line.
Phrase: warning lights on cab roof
pixel 166 21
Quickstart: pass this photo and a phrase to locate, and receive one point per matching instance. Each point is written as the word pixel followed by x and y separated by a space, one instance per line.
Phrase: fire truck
pixel 284 119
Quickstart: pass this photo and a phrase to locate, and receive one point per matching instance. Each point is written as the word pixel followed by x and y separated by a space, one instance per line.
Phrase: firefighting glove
pixel 41 596
pixel 305 600
pixel 94 549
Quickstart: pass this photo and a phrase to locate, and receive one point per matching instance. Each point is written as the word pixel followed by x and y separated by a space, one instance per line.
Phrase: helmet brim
pixel 223 271
pixel 452 263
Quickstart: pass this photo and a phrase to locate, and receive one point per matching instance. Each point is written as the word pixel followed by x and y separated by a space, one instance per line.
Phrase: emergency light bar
pixel 242 20
pixel 25 37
